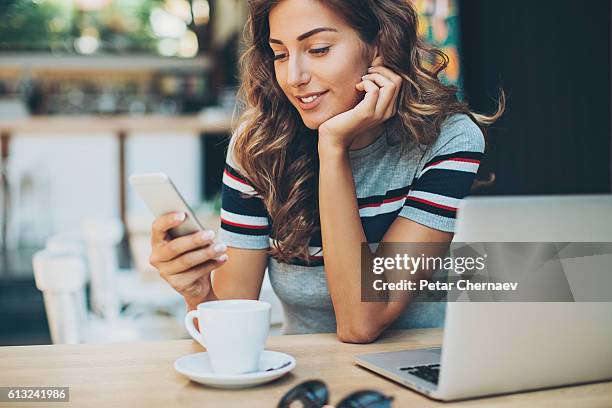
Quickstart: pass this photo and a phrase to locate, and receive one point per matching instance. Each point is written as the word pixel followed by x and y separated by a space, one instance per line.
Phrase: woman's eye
pixel 315 51
pixel 319 51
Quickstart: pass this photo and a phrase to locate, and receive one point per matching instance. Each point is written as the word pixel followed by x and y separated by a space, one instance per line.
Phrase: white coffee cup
pixel 234 333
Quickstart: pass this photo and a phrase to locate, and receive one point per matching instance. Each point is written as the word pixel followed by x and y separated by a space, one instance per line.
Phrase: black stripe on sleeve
pixel 245 231
pixel 236 202
pixel 456 155
pixel 449 183
pixel 237 175
pixel 377 199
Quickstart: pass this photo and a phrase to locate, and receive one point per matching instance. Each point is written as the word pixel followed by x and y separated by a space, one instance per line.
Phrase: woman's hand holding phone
pixel 185 262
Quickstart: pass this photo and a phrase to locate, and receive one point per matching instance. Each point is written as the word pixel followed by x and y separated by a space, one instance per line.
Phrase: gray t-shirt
pixel 423 184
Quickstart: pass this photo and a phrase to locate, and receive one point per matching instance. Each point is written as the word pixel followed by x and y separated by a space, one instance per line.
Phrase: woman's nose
pixel 298 73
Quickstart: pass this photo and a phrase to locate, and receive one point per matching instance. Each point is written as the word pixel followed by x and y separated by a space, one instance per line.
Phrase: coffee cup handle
pixel 193 332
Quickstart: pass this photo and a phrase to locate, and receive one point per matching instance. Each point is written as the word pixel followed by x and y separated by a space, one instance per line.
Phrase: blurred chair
pixel 101 238
pixel 124 291
pixel 139 231
pixel 60 273
pixel 70 245
pixel 61 278
pixel 125 308
pixel 143 288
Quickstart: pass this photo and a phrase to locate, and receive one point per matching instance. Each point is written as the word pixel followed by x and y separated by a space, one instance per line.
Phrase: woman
pixel 346 138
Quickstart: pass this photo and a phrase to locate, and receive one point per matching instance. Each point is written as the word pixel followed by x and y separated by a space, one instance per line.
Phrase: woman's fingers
pixel 187 282
pixel 386 99
pixel 393 77
pixel 368 104
pixel 171 249
pixel 163 224
pixel 387 73
pixel 382 87
pixel 193 258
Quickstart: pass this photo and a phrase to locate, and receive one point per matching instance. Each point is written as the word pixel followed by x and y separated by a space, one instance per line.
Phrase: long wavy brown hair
pixel 277 153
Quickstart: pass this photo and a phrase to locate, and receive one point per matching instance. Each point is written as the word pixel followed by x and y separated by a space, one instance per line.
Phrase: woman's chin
pixel 314 121
pixel 312 125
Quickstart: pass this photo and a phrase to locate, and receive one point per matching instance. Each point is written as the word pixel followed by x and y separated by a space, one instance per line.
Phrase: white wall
pixel 59 180
pixel 177 155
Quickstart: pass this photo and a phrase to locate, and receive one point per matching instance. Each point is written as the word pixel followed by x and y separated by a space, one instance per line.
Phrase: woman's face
pixel 318 59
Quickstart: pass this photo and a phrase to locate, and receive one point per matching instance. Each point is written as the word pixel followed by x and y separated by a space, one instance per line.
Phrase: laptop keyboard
pixel 429 372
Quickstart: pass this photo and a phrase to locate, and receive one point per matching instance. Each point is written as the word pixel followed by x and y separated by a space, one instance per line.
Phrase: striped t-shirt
pixel 423 184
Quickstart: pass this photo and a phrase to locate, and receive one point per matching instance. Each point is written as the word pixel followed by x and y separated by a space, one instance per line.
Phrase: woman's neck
pixel 368 137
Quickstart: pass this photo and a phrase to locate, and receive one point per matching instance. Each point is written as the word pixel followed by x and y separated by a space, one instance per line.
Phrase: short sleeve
pixel 244 220
pixel 445 178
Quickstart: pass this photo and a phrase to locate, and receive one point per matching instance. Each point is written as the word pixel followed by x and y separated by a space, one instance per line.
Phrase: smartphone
pixel 161 197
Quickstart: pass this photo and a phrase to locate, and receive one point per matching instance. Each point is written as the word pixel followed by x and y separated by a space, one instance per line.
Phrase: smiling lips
pixel 310 101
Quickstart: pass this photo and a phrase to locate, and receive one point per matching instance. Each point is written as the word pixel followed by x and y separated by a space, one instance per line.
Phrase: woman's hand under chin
pixel 381 87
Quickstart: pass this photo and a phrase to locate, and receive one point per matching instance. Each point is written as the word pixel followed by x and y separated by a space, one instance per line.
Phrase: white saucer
pixel 197 368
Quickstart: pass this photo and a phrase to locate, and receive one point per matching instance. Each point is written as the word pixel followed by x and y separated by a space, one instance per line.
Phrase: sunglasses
pixel 314 394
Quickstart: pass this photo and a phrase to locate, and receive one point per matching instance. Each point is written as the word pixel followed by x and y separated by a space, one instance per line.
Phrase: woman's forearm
pixel 342 235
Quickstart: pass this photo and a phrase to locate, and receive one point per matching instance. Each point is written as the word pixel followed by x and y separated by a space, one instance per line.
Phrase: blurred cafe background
pixel 92 91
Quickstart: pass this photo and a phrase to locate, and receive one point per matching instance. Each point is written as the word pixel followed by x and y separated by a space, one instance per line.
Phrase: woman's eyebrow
pixel 306 34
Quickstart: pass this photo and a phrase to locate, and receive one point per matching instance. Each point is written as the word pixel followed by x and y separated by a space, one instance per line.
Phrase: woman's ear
pixel 377 58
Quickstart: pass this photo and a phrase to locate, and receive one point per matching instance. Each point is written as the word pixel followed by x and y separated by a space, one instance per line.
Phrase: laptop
pixel 497 348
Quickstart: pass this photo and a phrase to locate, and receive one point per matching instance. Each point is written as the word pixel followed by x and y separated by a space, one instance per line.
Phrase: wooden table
pixel 141 375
